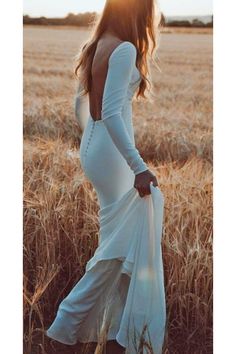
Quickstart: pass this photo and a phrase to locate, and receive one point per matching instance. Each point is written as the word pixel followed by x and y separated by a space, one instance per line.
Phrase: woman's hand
pixel 142 182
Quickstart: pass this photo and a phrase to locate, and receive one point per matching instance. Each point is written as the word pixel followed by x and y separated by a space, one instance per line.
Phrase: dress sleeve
pixel 120 67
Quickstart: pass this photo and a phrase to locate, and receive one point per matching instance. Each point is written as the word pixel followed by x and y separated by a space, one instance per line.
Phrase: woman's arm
pixel 120 67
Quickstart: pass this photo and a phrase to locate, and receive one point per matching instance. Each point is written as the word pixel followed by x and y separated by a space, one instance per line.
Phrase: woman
pixel 121 296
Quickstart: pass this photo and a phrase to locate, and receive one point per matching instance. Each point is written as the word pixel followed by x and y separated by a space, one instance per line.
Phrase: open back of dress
pixel 99 74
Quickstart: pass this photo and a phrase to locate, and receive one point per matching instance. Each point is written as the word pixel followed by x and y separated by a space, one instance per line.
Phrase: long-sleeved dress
pixel 122 291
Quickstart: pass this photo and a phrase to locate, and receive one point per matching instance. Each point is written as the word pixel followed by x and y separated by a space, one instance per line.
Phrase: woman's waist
pixel 97 136
pixel 99 123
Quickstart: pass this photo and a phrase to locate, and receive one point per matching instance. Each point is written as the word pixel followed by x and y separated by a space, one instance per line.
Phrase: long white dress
pixel 121 294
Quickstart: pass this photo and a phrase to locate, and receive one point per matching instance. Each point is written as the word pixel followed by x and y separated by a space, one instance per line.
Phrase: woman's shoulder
pixel 116 42
pixel 124 48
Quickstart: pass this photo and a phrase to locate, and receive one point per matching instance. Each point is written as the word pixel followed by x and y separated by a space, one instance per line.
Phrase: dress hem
pixel 51 336
pixel 48 334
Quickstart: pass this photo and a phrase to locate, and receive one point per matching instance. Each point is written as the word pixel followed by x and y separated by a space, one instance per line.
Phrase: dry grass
pixel 60 206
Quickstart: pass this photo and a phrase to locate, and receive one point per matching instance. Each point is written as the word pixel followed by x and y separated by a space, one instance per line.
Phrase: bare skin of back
pixel 106 44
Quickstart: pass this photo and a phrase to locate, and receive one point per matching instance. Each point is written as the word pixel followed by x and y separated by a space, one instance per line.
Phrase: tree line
pixel 87 18
pixel 83 19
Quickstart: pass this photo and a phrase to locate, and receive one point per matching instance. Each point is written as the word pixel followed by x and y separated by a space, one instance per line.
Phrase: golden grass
pixel 60 206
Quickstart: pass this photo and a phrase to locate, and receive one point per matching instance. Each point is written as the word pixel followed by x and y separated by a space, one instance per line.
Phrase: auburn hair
pixel 136 21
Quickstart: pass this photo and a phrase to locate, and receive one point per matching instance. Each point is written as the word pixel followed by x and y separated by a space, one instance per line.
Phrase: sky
pixel 60 8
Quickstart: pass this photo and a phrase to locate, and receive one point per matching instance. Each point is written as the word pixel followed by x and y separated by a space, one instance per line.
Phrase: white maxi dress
pixel 121 294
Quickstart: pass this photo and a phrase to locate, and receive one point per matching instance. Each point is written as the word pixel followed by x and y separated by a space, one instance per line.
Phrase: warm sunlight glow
pixel 61 8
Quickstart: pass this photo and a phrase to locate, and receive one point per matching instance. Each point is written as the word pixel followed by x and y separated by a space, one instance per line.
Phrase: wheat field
pixel 173 134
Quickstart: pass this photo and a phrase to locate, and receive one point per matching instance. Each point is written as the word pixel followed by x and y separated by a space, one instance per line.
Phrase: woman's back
pixel 105 47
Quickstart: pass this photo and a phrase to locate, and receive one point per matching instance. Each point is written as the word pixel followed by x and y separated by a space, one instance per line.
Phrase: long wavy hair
pixel 136 21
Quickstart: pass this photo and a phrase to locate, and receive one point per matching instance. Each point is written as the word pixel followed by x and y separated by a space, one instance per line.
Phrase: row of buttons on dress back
pixel 90 136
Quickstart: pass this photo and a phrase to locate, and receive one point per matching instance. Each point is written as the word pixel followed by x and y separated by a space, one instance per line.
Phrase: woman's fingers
pixel 144 190
pixel 147 189
pixel 154 182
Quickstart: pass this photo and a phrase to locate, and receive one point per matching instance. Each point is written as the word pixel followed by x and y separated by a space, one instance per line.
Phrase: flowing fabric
pixel 131 231
pixel 121 295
